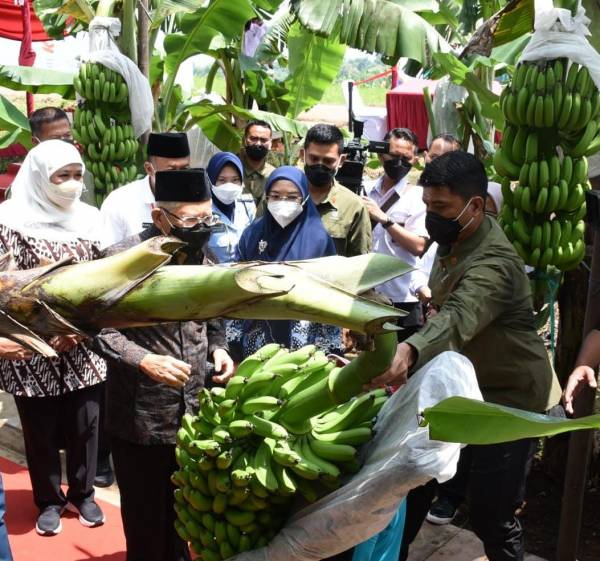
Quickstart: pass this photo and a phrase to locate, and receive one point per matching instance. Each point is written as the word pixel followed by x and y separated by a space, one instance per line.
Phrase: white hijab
pixel 30 211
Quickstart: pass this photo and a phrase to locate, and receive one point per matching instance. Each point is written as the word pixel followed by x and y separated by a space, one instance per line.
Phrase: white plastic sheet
pixel 103 50
pixel 447 119
pixel 399 458
pixel 560 34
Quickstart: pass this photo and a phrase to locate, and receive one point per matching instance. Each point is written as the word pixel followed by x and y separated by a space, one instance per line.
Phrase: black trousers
pixel 143 474
pixel 103 439
pixel 47 422
pixel 455 489
pixel 496 485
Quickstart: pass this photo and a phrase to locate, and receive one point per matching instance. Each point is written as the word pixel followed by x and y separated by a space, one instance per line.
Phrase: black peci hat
pixel 168 145
pixel 182 186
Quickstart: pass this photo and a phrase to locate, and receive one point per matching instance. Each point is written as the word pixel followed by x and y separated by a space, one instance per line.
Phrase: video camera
pixel 350 175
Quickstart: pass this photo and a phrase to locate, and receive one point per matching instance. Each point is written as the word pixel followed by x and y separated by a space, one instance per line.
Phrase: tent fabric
pixel 11 22
pixel 406 107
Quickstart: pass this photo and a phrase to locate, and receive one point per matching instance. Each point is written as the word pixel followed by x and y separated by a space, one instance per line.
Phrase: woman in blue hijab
pixel 236 211
pixel 290 230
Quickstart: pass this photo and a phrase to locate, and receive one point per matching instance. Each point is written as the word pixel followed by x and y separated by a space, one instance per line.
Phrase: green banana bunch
pixel 242 461
pixel 549 105
pixel 102 125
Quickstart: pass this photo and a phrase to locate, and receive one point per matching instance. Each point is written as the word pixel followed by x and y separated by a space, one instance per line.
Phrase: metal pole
pixel 350 115
pixel 580 441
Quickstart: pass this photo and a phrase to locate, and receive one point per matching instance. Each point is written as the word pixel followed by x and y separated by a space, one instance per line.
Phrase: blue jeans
pixel 5 554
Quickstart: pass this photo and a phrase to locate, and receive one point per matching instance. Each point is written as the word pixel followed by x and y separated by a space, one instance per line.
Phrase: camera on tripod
pixel 350 175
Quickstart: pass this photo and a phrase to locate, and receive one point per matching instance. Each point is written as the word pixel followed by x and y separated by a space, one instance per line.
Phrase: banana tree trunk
pixel 132 289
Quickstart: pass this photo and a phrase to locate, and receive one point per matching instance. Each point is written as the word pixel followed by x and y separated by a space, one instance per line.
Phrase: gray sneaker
pixel 90 514
pixel 48 522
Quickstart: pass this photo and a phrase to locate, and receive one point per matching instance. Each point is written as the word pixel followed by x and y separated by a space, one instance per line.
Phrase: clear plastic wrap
pixel 560 34
pixel 104 50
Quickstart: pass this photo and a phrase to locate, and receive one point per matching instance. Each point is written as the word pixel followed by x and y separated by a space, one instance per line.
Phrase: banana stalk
pixel 131 289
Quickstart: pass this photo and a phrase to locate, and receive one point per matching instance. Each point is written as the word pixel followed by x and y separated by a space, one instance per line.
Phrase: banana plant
pixel 14 125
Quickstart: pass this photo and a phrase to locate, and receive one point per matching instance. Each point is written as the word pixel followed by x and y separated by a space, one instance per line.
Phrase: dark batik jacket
pixel 138 409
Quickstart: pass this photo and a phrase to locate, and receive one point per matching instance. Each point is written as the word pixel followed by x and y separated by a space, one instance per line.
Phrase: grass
pixel 371 95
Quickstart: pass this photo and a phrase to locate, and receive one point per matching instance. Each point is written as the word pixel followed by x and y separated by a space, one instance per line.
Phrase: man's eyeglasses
pixel 274 198
pixel 191 221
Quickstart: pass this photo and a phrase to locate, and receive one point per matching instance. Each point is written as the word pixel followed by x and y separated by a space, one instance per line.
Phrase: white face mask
pixel 64 194
pixel 284 212
pixel 227 193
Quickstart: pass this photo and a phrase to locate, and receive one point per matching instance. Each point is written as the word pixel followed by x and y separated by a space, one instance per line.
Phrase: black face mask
pixel 444 231
pixel 319 175
pixel 196 237
pixel 396 169
pixel 256 152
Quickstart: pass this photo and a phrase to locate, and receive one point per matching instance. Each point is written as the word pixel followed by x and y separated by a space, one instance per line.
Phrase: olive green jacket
pixel 346 220
pixel 255 180
pixel 485 312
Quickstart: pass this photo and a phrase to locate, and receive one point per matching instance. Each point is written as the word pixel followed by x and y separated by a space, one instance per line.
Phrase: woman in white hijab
pixel 57 398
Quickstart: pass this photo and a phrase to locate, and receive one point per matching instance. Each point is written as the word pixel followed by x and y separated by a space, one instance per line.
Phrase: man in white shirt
pixel 128 208
pixel 397 212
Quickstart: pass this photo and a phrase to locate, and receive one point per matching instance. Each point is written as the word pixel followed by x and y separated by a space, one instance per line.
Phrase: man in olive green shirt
pixel 344 214
pixel 484 310
pixel 257 143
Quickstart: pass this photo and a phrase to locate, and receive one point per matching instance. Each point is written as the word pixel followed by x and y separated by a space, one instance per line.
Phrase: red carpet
pixel 74 543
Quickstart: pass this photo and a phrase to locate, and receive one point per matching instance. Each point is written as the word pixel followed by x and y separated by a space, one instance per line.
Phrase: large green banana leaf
pixel 380 26
pixel 37 80
pixel 314 62
pixel 215 122
pixel 14 125
pixel 468 421
pixel 198 29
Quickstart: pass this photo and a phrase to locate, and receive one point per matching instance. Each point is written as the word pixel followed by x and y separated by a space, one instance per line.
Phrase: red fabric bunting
pixel 11 22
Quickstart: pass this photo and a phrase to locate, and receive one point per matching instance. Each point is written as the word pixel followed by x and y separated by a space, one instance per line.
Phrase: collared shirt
pixel 486 313
pixel 223 244
pixel 409 212
pixel 346 219
pixel 255 179
pixel 126 210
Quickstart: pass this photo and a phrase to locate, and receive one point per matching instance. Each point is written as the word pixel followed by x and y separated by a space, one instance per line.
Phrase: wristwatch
pixel 387 223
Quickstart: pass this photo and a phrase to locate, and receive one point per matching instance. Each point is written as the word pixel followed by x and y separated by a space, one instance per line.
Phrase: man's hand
pixel 13 351
pixel 397 373
pixel 579 378
pixel 223 364
pixel 375 213
pixel 166 370
pixel 64 343
pixel 424 294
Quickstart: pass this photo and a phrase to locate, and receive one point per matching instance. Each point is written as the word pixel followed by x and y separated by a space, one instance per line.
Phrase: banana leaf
pixel 37 80
pixel 132 288
pixel 468 421
pixel 14 125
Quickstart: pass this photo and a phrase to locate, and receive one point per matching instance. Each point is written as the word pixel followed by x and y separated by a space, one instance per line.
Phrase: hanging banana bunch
pixel 276 429
pixel 102 125
pixel 552 111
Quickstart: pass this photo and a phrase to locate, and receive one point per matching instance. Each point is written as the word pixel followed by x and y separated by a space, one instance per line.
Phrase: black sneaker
pixel 441 512
pixel 90 514
pixel 105 476
pixel 48 522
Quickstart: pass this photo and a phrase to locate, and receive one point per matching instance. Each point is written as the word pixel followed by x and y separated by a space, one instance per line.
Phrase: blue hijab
pixel 303 238
pixel 215 165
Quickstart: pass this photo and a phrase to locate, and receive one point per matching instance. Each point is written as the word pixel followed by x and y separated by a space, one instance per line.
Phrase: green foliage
pixel 37 80
pixel 381 26
pixel 314 63
pixel 14 125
